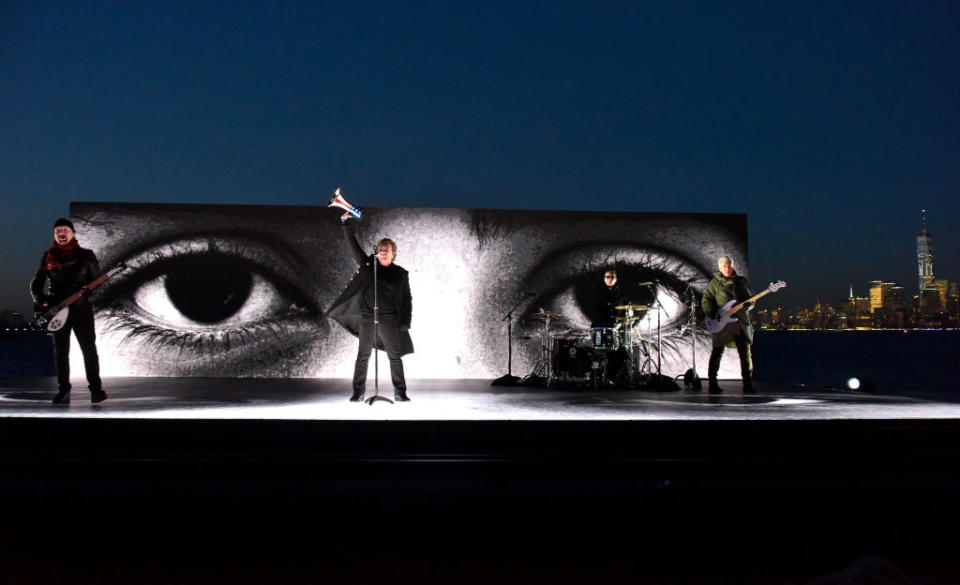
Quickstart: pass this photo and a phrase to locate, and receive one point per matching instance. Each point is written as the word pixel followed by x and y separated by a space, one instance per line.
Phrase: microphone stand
pixel 691 379
pixel 509 379
pixel 657 381
pixel 376 323
pixel 658 307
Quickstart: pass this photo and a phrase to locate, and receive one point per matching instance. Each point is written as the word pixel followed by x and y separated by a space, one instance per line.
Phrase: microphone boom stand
pixel 691 379
pixel 658 381
pixel 509 379
pixel 658 307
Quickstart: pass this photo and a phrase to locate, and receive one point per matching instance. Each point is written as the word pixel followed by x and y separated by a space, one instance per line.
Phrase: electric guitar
pixel 725 315
pixel 55 317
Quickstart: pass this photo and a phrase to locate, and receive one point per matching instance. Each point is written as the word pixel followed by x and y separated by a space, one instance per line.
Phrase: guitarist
pixel 67 268
pixel 727 285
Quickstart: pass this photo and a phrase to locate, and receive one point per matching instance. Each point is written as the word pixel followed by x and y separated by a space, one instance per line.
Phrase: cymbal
pixel 632 307
pixel 544 315
pixel 627 319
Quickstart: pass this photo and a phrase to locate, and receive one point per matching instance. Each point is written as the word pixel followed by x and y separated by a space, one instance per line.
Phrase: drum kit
pixel 595 357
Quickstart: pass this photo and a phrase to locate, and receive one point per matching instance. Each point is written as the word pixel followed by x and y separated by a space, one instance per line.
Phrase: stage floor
pixel 449 400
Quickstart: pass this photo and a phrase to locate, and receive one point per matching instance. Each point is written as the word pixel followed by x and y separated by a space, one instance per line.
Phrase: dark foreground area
pixel 152 501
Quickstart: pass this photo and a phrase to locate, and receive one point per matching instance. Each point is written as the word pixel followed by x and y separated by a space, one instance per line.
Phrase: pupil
pixel 209 288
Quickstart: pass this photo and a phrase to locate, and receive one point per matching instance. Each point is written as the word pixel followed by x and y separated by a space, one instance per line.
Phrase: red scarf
pixel 58 254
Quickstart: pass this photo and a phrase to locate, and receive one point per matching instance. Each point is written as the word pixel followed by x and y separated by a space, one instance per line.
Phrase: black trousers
pixel 81 323
pixel 388 330
pixel 743 351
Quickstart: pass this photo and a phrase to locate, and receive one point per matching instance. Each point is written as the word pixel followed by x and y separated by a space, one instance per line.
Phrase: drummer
pixel 608 296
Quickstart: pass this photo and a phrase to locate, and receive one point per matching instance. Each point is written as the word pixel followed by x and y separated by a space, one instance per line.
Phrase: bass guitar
pixel 725 315
pixel 55 317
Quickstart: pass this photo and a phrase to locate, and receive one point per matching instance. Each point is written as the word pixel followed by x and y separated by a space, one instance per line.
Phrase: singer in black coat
pixel 353 309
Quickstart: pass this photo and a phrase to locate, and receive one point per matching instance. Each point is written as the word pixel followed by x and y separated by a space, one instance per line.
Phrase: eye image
pixel 663 263
pixel 658 284
pixel 242 291
pixel 209 291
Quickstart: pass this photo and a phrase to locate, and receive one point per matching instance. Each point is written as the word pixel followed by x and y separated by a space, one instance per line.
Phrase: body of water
pixel 917 363
pixel 26 355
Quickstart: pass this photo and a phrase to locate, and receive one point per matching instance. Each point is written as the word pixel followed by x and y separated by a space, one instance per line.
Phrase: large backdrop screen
pixel 239 291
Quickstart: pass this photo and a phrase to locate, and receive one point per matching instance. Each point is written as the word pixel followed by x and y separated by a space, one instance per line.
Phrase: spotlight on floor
pixel 862 385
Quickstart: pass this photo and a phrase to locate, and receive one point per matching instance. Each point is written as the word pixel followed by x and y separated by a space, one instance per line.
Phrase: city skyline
pixel 927 279
pixel 829 125
pixel 887 305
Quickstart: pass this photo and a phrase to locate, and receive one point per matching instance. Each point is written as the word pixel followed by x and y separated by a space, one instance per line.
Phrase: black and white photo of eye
pixel 211 300
pixel 647 277
pixel 226 291
pixel 655 278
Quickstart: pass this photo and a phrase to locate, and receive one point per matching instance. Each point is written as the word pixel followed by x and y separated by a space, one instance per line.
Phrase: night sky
pixel 830 123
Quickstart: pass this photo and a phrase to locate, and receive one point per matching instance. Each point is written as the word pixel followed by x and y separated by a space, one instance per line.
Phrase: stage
pixel 253 480
pixel 451 400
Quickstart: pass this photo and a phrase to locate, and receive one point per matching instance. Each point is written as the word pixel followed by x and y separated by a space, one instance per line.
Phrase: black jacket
pixel 68 278
pixel 604 313
pixel 346 309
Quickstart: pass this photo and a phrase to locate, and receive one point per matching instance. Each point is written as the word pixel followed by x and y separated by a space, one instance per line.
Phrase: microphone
pixel 648 283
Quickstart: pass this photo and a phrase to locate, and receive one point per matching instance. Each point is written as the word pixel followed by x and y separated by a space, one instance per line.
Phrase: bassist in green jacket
pixel 725 286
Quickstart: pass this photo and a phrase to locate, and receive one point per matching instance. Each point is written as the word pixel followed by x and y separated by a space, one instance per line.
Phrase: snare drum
pixel 605 337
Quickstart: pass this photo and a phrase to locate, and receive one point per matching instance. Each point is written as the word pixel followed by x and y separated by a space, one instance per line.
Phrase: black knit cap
pixel 64 221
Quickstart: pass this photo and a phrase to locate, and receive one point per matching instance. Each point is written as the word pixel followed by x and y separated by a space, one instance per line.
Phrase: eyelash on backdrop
pixel 122 301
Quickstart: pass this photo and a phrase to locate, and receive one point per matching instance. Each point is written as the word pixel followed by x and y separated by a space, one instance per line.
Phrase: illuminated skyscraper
pixel 942 287
pixel 924 257
pixel 876 295
pixel 882 304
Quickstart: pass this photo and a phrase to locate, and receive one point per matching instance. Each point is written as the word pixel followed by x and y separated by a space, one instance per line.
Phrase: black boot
pixel 748 386
pixel 714 388
pixel 62 397
pixel 357 396
pixel 400 396
pixel 97 396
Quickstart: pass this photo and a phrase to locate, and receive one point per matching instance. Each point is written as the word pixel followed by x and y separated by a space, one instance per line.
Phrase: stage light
pixel 865 385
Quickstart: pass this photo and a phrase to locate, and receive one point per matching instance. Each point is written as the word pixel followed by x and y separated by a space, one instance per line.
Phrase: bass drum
pixel 605 338
pixel 571 358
